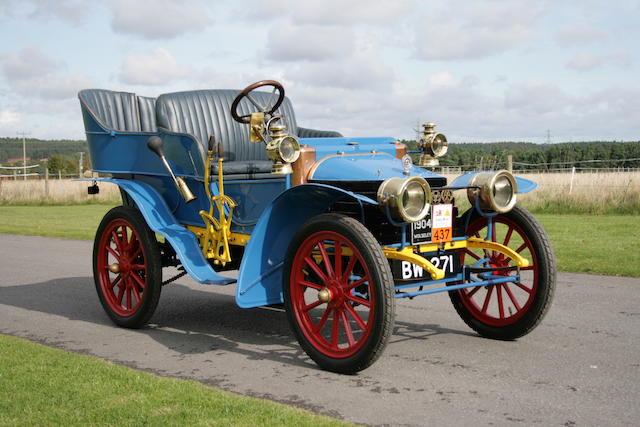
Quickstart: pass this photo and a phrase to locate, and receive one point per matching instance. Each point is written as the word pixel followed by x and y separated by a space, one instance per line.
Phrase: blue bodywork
pixel 162 221
pixel 270 210
pixel 260 276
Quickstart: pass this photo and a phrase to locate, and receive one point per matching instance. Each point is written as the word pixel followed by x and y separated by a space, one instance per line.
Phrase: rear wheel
pixel 338 293
pixel 127 267
pixel 509 310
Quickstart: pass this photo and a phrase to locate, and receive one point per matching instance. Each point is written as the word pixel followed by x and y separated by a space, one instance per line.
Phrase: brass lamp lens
pixel 439 145
pixel 413 199
pixel 503 191
pixel 408 199
pixel 496 190
pixel 289 149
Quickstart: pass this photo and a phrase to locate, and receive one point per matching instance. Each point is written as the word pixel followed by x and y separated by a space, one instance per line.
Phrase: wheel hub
pixel 324 295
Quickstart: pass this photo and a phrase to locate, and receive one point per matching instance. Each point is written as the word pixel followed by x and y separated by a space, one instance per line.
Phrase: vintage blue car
pixel 334 228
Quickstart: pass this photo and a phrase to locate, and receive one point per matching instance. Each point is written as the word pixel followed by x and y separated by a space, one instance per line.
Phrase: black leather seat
pixel 199 113
pixel 120 111
pixel 202 113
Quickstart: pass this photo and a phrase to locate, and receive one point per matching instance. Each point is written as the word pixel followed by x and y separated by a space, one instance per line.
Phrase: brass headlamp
pixel 408 199
pixel 433 145
pixel 496 190
pixel 282 148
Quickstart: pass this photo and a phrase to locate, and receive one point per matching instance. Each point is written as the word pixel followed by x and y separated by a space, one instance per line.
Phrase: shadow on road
pixel 190 321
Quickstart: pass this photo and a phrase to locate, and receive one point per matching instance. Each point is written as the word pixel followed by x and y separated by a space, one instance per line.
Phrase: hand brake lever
pixel 155 144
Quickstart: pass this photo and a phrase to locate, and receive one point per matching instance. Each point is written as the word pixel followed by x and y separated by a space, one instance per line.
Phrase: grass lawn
pixel 70 221
pixel 46 386
pixel 605 244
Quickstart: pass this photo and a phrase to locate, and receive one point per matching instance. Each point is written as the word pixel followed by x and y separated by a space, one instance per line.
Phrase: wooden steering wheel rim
pixel 245 92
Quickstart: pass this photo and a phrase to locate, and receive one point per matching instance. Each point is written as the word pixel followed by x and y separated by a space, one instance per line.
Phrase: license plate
pixel 437 226
pixel 405 270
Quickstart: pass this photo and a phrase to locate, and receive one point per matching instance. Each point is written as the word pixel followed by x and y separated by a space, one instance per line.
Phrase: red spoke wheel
pixel 338 293
pixel 509 310
pixel 126 267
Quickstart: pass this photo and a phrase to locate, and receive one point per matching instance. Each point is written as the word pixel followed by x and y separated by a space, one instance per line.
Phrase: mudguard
pixel 524 185
pixel 260 276
pixel 160 219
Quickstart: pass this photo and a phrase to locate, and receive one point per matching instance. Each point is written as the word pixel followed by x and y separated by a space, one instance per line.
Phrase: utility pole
pixel 24 154
pixel 80 164
pixel 548 136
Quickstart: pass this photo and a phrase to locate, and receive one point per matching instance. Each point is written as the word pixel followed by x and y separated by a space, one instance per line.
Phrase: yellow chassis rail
pixel 411 253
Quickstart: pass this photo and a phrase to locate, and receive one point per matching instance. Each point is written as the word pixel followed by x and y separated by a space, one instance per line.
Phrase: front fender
pixel 160 219
pixel 260 275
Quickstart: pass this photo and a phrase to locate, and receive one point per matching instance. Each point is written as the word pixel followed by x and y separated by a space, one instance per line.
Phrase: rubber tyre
pixel 373 268
pixel 148 256
pixel 543 281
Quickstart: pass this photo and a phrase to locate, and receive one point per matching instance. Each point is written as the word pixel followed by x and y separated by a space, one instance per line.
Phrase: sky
pixel 482 70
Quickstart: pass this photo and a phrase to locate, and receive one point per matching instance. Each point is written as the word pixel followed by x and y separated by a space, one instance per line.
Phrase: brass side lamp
pixel 433 145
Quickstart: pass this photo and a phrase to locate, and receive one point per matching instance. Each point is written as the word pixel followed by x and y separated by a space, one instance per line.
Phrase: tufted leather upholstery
pixel 314 133
pixel 202 113
pixel 114 110
pixel 147 110
pixel 199 113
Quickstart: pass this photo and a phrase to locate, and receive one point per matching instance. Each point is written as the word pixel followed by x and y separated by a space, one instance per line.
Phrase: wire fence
pixel 581 166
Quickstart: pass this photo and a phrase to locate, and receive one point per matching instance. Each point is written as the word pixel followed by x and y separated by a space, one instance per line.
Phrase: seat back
pixel 147 112
pixel 120 111
pixel 202 113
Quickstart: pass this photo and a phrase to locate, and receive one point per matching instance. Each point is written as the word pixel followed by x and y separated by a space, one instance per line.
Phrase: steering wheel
pixel 262 109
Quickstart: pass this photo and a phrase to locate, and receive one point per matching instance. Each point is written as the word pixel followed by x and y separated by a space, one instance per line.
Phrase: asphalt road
pixel 581 366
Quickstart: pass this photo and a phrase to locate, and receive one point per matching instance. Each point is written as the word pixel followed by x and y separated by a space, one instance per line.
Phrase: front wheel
pixel 127 267
pixel 509 310
pixel 338 293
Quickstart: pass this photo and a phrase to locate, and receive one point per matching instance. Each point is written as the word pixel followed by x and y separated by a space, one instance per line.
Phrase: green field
pixel 60 388
pixel 605 244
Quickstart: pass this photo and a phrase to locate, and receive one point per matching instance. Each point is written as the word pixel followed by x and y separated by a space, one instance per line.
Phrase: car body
pixel 335 228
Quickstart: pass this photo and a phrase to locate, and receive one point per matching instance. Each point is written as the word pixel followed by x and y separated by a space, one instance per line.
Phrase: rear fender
pixel 260 276
pixel 160 219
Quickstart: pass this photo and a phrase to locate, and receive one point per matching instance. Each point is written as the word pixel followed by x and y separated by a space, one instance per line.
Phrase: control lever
pixel 155 144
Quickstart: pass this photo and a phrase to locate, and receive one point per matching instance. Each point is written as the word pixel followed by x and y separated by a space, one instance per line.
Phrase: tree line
pixel 63 155
pixel 493 155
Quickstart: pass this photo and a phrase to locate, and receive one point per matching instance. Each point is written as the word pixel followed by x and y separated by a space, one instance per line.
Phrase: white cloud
pixel 580 33
pixel 444 78
pixel 288 42
pixel 33 73
pixel 587 61
pixel 584 62
pixel 157 68
pixel 71 11
pixel 331 12
pixel 9 118
pixel 536 98
pixel 28 62
pixel 476 31
pixel 159 19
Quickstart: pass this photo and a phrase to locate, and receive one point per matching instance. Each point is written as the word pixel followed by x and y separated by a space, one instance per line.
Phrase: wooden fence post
pixel 573 175
pixel 46 180
pixel 510 163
